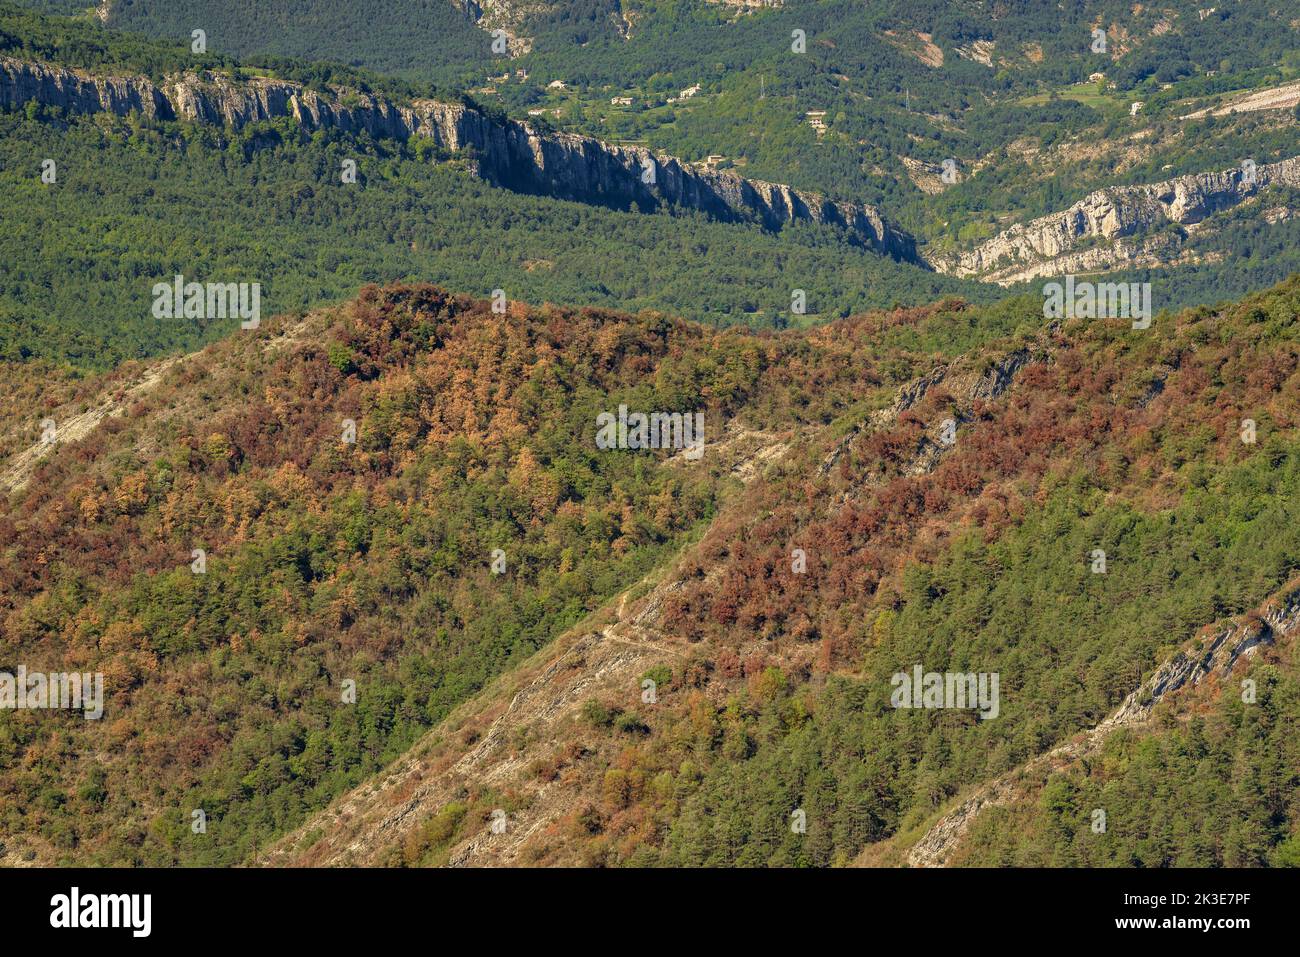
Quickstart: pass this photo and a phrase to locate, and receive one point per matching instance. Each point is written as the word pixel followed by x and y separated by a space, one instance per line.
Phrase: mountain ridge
pixel 507 152
pixel 730 624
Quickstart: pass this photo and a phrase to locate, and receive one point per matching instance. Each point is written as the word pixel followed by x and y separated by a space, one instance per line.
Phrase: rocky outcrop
pixel 507 153
pixel 77 93
pixel 1278 98
pixel 967 386
pixel 1108 221
pixel 1216 654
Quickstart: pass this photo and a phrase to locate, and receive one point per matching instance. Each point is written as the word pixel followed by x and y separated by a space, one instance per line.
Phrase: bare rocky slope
pixel 506 152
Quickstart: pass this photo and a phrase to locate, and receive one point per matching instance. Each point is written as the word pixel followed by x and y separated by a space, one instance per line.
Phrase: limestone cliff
pixel 1104 230
pixel 507 152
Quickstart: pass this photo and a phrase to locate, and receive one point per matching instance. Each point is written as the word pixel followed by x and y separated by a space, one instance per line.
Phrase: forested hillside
pixel 927 81
pixel 324 561
pixel 371 562
pixel 328 561
pixel 424 39
pixel 365 580
pixel 136 200
pixel 139 200
pixel 773 685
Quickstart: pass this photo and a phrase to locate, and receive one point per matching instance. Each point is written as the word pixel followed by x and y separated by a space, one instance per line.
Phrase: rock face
pixel 1052 244
pixel 20 82
pixel 507 153
pixel 966 386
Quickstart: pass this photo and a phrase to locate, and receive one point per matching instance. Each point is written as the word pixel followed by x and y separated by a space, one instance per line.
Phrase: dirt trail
pixel 16 472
